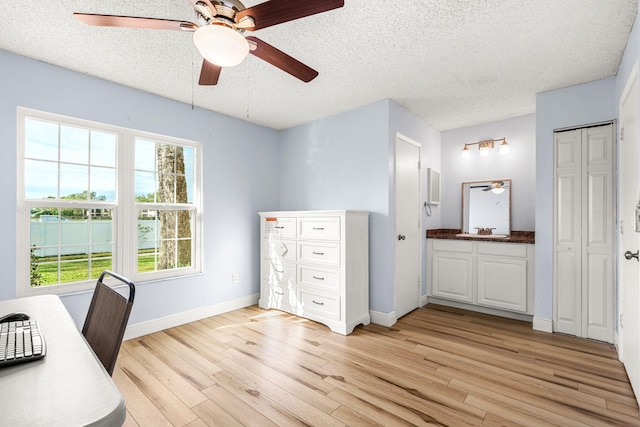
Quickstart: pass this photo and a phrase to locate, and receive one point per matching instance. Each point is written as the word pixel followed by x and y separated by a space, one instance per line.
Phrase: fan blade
pixel 209 74
pixel 278 11
pixel 278 58
pixel 134 22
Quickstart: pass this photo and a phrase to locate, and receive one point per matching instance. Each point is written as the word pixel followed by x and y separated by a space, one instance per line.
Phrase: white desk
pixel 68 387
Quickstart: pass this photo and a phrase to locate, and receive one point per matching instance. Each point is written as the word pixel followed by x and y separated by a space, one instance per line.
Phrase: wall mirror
pixel 486 205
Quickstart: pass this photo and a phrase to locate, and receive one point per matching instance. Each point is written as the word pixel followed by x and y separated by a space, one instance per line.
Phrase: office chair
pixel 107 319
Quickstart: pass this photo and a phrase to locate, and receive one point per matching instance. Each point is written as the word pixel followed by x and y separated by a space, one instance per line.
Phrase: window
pixel 84 189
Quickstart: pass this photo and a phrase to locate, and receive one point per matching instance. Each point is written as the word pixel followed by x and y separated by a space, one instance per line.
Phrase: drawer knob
pixel 318 228
pixel 317 303
pixel 318 278
pixel 278 293
pixel 318 253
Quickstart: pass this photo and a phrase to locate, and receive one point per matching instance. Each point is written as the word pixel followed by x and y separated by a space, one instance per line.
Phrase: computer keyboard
pixel 20 341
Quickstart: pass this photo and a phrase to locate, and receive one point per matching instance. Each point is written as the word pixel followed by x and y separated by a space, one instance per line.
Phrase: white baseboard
pixel 384 319
pixel 156 325
pixel 543 325
pixel 424 300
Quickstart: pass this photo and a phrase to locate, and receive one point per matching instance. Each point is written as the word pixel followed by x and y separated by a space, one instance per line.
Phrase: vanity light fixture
pixel 485 146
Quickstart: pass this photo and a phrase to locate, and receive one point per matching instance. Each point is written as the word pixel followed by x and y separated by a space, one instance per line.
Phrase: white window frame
pixel 124 251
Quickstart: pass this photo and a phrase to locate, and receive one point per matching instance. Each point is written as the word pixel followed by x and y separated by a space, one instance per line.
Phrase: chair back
pixel 107 320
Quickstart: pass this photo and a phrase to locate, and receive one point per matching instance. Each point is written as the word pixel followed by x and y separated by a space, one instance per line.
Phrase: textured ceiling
pixel 452 62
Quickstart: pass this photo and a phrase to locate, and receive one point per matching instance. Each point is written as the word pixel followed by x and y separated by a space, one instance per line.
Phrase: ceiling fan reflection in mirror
pixel 497 187
pixel 219 32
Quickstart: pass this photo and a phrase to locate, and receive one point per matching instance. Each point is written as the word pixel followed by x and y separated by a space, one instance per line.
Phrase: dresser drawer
pixel 319 228
pixel 281 297
pixel 319 253
pixel 320 278
pixel 322 305
pixel 278 272
pixel 281 250
pixel 279 228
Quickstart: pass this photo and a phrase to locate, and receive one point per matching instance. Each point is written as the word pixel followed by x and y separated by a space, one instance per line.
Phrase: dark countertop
pixel 452 234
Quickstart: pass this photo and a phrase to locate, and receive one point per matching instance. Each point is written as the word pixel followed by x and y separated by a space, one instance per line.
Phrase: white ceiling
pixel 454 63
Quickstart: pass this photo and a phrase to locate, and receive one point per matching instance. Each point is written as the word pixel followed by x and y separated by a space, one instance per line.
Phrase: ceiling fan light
pixel 220 45
pixel 497 190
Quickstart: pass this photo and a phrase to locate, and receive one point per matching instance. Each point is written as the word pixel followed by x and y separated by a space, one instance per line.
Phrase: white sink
pixel 483 236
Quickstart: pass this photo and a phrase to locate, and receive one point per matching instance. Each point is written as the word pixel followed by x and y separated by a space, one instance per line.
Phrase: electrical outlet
pixel 235 278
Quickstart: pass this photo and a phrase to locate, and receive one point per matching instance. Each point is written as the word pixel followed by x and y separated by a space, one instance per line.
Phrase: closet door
pixel 584 232
pixel 568 232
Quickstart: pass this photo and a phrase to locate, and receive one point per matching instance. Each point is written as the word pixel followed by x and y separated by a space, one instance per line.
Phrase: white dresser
pixel 315 264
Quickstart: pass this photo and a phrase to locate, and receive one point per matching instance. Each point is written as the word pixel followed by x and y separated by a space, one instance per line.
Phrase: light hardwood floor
pixel 436 366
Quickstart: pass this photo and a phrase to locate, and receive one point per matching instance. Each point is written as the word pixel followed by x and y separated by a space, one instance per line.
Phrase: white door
pixel 629 238
pixel 584 232
pixel 408 230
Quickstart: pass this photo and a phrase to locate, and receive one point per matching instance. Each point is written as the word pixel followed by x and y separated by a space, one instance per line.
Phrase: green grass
pixel 75 268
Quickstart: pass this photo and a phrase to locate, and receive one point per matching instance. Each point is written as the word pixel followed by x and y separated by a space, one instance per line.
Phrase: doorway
pixel 408 226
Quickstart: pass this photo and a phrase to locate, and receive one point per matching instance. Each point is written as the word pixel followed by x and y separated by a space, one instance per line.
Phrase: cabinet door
pixel 452 276
pixel 502 283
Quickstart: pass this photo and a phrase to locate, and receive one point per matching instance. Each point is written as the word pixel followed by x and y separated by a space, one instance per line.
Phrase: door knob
pixel 401 237
pixel 629 255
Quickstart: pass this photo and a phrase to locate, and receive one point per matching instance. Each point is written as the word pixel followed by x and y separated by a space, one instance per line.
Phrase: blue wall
pixel 340 162
pixel 346 162
pixel 241 177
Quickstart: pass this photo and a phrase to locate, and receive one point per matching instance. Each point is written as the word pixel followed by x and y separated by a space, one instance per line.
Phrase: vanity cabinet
pixel 315 264
pixel 452 269
pixel 487 274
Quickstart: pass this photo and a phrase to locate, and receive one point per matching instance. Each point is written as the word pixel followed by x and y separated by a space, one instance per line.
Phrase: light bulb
pixel 504 148
pixel 220 45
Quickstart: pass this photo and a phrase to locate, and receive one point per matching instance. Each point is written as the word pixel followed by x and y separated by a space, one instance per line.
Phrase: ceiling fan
pixel 219 32
pixel 496 186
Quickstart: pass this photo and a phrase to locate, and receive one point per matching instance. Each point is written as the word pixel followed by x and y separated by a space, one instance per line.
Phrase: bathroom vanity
pixel 484 266
pixel 495 273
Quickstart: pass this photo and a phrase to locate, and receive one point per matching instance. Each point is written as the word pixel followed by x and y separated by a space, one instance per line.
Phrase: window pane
pixel 145 186
pixel 74 182
pixel 145 155
pixel 40 180
pixel 103 184
pixel 166 158
pixel 190 188
pixel 75 268
pixel 44 228
pixel 60 242
pixel 74 145
pixel 44 267
pixel 103 149
pixel 41 140
pixel 74 232
pixel 166 188
pixel 164 243
pixel 189 153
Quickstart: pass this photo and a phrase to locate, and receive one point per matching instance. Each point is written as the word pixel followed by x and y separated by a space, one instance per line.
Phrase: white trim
pixel 424 299
pixel 543 325
pixel 384 319
pixel 160 324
